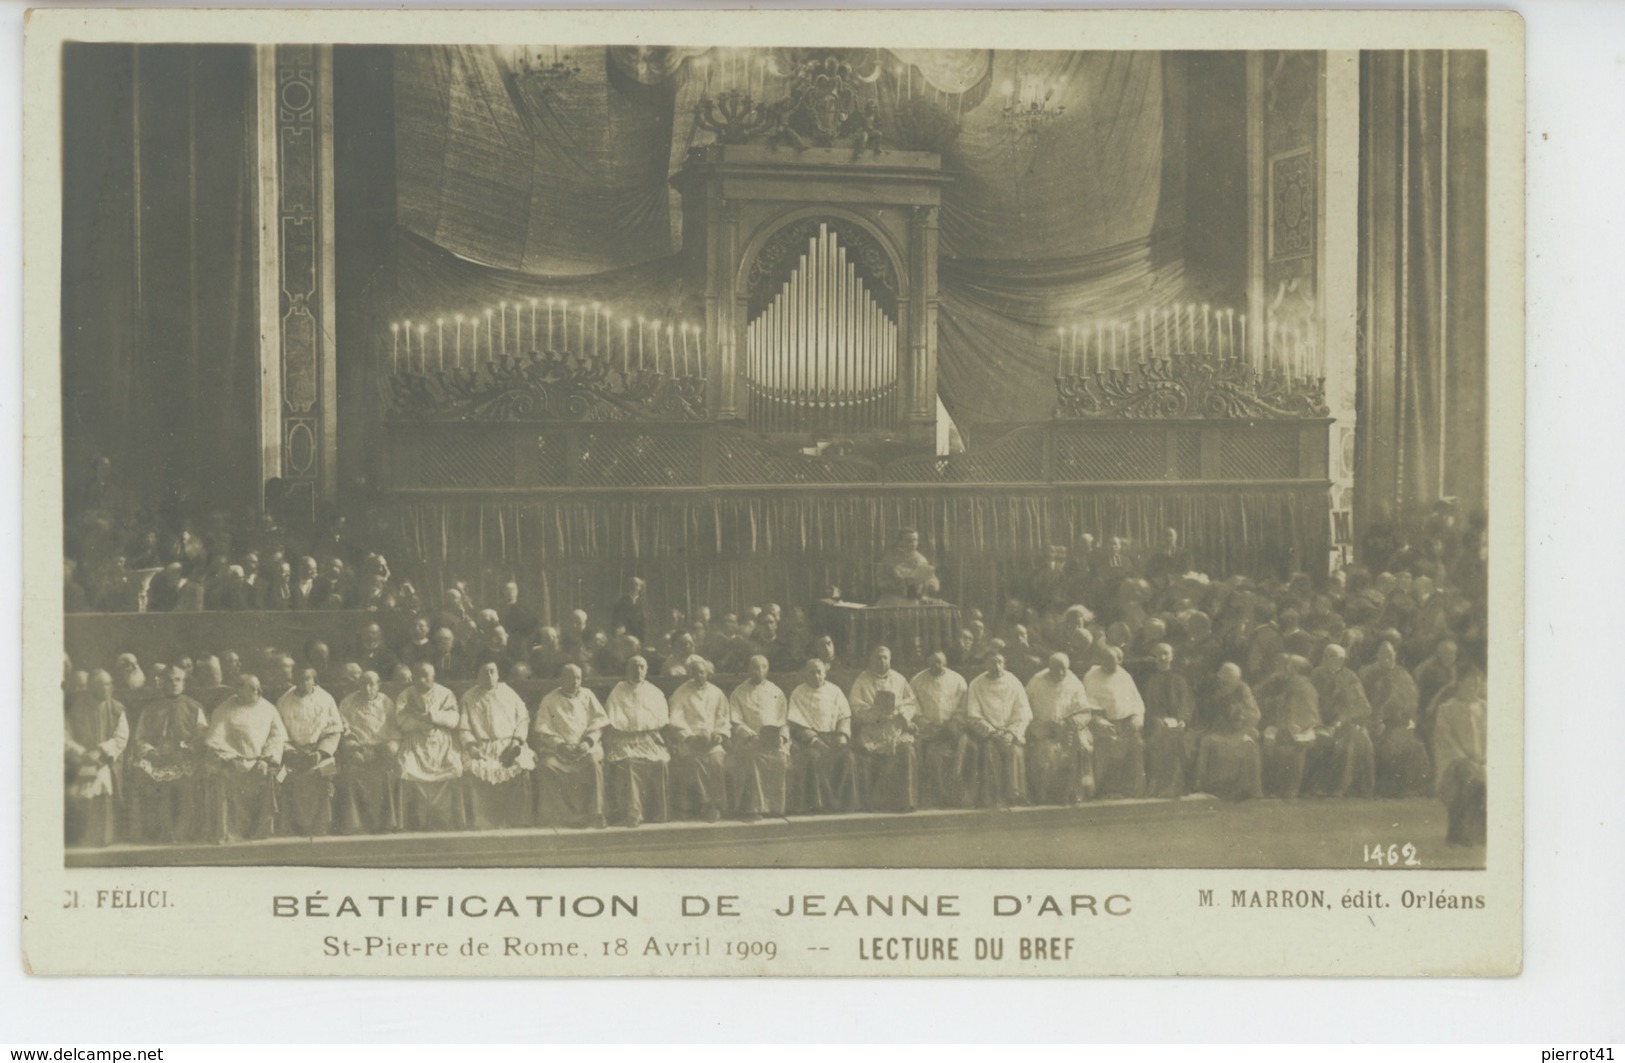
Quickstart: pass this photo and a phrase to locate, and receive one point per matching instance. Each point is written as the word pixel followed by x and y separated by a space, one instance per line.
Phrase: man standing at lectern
pixel 905 576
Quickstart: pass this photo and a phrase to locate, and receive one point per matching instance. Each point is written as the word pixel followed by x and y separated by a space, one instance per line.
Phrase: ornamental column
pixel 298 378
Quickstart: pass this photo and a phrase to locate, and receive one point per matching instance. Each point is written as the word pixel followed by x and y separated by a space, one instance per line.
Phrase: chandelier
pixel 1030 103
pixel 543 66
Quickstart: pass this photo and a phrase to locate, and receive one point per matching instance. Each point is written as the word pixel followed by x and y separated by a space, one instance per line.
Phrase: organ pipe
pixel 822 354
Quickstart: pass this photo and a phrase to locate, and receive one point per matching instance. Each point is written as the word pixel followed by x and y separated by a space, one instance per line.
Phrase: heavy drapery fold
pixel 789 547
pixel 516 193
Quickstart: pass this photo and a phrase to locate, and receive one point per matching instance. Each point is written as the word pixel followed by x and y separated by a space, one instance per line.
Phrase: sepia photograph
pixel 827 451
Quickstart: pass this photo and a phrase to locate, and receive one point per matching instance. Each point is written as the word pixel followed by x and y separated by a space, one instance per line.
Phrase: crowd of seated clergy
pixel 1129 676
pixel 125 555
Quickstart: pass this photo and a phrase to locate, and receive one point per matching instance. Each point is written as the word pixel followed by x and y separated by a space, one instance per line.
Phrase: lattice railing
pixel 1110 456
pixel 624 456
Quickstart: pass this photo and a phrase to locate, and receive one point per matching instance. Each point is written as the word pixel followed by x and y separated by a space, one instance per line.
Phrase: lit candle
pixel 409 346
pixel 533 342
pixel 457 346
pixel 395 349
pixel 440 339
pixel 489 353
pixel 626 344
pixel 1060 348
pixel 1207 335
pixel 474 347
pixel 671 352
pixel 550 322
pixel 502 307
pixel 581 328
pixel 1100 347
pixel 595 347
pixel 1248 350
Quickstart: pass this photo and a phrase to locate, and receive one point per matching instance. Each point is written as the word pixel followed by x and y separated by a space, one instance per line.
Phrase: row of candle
pixel 585 328
pixel 735 71
pixel 1184 330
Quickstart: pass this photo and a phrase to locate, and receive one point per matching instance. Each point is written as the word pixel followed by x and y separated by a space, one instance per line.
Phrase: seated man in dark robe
pixel 1169 561
pixel 1350 766
pixel 1459 745
pixel 1170 740
pixel 243 762
pixel 1402 759
pixel 520 623
pixel 1289 709
pixel 568 738
pixel 162 779
pixel 1228 765
pixel 822 775
pixel 372 652
pixel 449 658
pixel 904 576
pixel 1049 590
pixel 547 658
pixel 631 612
pixel 1433 676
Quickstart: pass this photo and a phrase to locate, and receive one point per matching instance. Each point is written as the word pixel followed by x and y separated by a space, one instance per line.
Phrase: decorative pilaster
pixel 923 331
pixel 298 371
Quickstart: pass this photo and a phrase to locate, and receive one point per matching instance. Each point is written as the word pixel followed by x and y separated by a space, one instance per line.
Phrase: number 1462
pixel 1392 855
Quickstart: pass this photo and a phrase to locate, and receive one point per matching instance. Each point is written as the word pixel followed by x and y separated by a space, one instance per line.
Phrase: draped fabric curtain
pixel 738 549
pixel 1421 427
pixel 532 191
pixel 159 324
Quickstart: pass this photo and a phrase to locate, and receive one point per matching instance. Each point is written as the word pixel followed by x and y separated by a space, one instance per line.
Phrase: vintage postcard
pixel 768 493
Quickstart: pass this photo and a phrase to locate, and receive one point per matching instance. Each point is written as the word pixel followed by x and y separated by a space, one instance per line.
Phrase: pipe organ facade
pixel 821 357
pixel 819 274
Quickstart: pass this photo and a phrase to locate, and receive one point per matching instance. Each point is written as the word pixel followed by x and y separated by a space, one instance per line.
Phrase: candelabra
pixel 547 386
pixel 1187 386
pixel 546 75
pixel 733 116
pixel 1030 105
